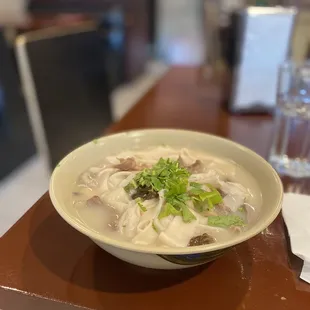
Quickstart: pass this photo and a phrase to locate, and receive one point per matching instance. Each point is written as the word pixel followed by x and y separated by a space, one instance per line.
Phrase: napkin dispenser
pixel 262 38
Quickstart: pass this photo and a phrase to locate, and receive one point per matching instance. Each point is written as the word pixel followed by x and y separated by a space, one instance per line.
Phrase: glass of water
pixel 290 148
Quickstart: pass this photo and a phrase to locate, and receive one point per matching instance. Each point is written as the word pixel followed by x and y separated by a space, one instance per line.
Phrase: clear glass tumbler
pixel 290 148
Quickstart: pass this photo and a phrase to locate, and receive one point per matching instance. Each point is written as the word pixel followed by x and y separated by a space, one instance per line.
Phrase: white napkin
pixel 296 214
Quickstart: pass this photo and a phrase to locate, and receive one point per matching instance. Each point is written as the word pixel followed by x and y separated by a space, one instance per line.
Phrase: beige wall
pixel 301 36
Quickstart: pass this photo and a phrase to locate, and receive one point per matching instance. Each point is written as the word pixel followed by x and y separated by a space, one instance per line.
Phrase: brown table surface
pixel 46 264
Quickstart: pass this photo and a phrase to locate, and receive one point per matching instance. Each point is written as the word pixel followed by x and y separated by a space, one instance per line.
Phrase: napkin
pixel 296 214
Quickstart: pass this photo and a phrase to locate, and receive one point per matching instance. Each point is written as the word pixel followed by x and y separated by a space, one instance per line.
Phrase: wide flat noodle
pixel 117 199
pixel 104 176
pixel 178 233
pixel 145 233
pixel 162 224
pixel 129 221
pixel 210 177
pixel 117 178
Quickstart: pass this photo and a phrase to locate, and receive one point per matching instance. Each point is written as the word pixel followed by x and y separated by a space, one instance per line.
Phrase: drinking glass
pixel 290 148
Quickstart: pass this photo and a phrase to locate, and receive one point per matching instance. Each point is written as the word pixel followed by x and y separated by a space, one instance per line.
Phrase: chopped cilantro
pixel 168 175
pixel 154 227
pixel 168 209
pixel 210 204
pixel 130 186
pixel 196 191
pixel 140 204
pixel 188 216
pixel 195 185
pixel 200 206
pixel 241 209
pixel 205 200
pixel 225 221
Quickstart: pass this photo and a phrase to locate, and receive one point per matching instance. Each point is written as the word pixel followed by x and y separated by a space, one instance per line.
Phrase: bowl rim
pixel 126 245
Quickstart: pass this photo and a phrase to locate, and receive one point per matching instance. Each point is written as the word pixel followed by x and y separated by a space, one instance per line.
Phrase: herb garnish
pixel 168 209
pixel 166 175
pixel 204 200
pixel 140 204
pixel 225 221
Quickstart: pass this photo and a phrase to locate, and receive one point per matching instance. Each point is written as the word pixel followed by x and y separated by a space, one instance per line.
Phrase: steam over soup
pixel 167 197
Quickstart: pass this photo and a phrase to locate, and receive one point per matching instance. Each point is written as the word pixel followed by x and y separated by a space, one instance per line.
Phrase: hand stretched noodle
pixel 162 224
pixel 187 158
pixel 117 198
pixel 127 180
pixel 117 178
pixel 211 177
pixel 129 221
pixel 145 233
pixel 178 233
pixel 141 218
pixel 104 177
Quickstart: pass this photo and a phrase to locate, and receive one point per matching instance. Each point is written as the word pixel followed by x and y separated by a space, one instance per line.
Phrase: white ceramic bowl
pixel 66 173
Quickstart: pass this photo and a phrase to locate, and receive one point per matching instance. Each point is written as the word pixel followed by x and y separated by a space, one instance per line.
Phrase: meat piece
pixel 221 192
pixel 233 202
pixel 94 201
pixel 221 209
pixel 128 164
pixel 144 192
pixel 201 240
pixel 196 167
pixel 181 162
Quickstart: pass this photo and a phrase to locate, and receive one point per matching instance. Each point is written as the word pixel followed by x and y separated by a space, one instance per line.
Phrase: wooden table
pixel 46 264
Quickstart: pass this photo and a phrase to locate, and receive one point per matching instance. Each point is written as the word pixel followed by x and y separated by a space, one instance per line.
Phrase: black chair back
pixel 64 76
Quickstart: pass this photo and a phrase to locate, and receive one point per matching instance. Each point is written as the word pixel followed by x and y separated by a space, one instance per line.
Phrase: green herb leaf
pixel 200 206
pixel 140 204
pixel 130 186
pixel 154 227
pixel 168 209
pixel 195 185
pixel 225 221
pixel 216 199
pixel 196 191
pixel 199 196
pixel 188 216
pixel 165 174
pixel 210 204
pixel 156 184
pixel 205 195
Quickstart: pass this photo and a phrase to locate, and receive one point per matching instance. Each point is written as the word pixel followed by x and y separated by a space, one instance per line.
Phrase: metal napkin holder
pixel 263 43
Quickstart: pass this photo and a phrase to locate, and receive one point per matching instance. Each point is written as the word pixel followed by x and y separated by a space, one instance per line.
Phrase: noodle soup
pixel 167 197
